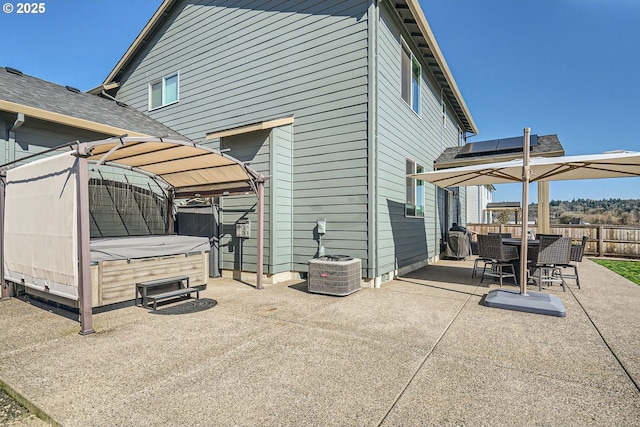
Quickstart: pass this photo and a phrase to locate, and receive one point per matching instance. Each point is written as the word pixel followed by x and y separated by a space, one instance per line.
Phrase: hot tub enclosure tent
pixel 45 213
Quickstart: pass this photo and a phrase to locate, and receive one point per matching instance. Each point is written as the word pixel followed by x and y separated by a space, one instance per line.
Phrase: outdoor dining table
pixel 517 241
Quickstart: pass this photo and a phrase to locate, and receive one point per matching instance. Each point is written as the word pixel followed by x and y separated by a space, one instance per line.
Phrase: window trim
pixel 411 209
pixel 408 79
pixel 163 87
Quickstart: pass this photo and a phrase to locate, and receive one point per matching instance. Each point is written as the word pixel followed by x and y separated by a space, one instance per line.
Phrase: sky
pixel 565 67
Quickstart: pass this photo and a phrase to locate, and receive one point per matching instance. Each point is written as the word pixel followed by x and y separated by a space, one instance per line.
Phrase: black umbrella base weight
pixel 532 302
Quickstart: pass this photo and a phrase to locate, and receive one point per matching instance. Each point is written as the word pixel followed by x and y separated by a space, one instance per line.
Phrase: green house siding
pixel 281 200
pixel 254 61
pixel 333 65
pixel 238 253
pixel 36 136
pixel 402 135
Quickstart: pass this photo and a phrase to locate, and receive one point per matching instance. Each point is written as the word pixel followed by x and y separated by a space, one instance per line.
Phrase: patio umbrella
pixel 616 164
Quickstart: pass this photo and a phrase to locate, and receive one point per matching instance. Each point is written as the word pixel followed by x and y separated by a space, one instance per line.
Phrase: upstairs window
pixel 411 72
pixel 414 205
pixel 163 91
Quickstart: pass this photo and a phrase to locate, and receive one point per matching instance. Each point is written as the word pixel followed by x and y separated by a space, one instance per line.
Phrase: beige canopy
pixel 606 165
pixel 187 167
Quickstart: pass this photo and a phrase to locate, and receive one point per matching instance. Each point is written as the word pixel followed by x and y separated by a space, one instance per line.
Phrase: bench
pixel 172 294
pixel 142 289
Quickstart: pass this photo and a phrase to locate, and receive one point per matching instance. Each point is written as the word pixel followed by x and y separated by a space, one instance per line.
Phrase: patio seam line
pixel 624 368
pixel 406 280
pixel 428 355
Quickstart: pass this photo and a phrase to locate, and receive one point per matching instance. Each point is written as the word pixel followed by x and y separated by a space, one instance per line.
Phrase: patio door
pixel 444 206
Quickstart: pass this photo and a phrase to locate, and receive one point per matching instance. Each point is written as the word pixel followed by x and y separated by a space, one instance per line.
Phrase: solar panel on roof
pixel 515 143
pixel 480 147
pixel 495 146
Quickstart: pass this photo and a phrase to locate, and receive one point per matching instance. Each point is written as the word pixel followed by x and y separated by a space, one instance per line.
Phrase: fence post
pixel 601 240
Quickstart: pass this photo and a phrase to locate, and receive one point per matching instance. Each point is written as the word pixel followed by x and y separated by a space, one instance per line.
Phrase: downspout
pixel 106 95
pixel 11 143
pixel 5 292
pixel 272 206
pixel 481 189
pixel 19 122
pixel 372 137
pixel 260 242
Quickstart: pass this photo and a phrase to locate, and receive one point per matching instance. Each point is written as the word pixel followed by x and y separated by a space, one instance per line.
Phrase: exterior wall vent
pixel 13 71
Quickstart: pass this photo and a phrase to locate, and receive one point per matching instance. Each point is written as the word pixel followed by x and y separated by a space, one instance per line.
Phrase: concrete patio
pixel 422 350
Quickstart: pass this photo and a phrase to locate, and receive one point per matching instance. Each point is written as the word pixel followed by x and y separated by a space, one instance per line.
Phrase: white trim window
pixel 410 74
pixel 163 91
pixel 415 199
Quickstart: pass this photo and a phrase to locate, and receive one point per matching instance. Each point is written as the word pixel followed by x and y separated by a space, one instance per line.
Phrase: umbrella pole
pixel 525 212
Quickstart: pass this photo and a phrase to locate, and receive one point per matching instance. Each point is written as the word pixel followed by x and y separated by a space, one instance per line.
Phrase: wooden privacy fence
pixel 604 240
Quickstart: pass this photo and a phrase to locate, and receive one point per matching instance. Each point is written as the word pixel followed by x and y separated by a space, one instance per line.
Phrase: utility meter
pixel 322 225
pixel 243 229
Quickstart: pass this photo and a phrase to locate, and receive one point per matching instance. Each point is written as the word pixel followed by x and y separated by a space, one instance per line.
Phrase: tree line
pixel 591 211
pixel 584 211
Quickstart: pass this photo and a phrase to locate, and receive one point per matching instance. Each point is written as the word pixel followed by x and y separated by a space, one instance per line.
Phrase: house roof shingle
pixel 21 93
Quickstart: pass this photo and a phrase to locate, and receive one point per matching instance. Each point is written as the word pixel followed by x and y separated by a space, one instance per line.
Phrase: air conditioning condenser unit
pixel 338 275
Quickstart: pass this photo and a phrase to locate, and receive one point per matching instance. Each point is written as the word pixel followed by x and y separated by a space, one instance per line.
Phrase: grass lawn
pixel 628 269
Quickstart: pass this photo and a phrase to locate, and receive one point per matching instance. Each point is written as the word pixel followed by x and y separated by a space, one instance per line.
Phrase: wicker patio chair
pixel 483 256
pixel 501 257
pixel 553 253
pixel 575 255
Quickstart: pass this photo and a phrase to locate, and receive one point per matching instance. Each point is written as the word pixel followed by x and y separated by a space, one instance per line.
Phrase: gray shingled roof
pixel 33 92
pixel 548 146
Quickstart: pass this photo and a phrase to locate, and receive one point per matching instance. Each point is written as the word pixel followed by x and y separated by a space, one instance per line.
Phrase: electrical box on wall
pixel 243 229
pixel 322 225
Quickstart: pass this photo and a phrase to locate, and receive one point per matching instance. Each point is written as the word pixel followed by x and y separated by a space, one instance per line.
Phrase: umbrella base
pixel 533 302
